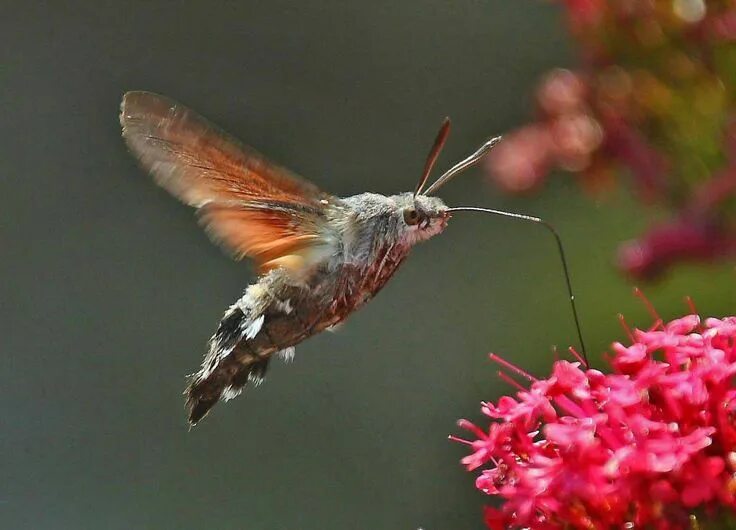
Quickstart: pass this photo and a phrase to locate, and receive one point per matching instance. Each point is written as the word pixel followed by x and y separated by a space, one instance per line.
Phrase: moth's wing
pixel 289 235
pixel 252 206
pixel 198 162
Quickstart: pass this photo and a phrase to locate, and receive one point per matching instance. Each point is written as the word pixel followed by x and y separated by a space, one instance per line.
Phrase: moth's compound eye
pixel 411 216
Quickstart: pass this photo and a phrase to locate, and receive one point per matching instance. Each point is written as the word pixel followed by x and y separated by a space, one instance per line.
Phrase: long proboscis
pixel 560 247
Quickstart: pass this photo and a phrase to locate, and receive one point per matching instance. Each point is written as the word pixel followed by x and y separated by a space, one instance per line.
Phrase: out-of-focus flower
pixel 680 240
pixel 650 444
pixel 522 160
pixel 653 101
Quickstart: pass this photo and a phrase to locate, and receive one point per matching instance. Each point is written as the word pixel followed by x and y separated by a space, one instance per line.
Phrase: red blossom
pixel 722 27
pixel 584 13
pixel 643 445
pixel 650 104
pixel 684 239
pixel 522 160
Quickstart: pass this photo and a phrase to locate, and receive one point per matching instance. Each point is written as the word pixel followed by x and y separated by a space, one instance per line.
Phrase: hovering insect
pixel 320 257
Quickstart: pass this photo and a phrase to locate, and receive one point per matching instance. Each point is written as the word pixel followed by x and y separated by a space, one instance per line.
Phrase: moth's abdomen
pixel 250 332
pixel 272 317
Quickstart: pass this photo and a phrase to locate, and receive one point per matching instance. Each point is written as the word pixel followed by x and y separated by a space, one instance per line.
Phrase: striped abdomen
pixel 272 317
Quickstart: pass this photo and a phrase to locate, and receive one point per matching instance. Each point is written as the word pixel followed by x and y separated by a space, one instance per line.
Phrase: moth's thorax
pixel 370 223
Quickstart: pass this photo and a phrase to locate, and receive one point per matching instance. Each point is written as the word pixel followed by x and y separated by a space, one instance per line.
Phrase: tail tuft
pixel 224 382
pixel 238 354
pixel 198 408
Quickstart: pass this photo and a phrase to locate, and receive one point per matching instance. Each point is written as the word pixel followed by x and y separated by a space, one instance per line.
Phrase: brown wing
pixel 253 206
pixel 274 234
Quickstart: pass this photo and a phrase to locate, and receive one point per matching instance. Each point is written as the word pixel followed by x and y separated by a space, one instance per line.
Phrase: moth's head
pixel 413 216
pixel 424 215
pixel 419 217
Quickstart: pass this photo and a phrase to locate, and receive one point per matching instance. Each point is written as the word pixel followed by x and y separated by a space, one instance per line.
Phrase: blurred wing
pixel 274 234
pixel 253 206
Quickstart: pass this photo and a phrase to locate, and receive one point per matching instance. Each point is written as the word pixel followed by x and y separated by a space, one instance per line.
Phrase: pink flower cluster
pixel 644 445
pixel 567 136
pixel 651 104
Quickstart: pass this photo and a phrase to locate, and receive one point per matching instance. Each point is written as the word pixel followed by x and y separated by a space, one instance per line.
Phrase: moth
pixel 319 257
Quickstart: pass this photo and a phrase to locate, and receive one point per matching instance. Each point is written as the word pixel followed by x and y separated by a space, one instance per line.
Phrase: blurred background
pixel 110 290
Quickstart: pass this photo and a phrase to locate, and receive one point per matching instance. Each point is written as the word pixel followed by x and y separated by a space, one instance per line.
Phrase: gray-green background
pixel 109 289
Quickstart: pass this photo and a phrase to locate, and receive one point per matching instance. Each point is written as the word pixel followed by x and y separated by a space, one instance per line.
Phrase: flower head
pixel 653 101
pixel 645 445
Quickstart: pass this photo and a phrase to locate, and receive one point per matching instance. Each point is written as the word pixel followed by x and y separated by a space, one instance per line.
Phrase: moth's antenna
pixel 439 143
pixel 463 164
pixel 562 258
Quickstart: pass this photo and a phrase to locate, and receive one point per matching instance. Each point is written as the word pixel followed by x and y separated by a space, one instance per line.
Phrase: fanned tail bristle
pixel 225 382
pixel 198 408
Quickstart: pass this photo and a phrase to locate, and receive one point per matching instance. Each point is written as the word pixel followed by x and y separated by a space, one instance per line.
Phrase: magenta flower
pixel 651 104
pixel 652 443
pixel 684 239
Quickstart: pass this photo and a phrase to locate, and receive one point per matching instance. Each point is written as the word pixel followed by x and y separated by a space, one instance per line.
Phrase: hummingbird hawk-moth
pixel 319 257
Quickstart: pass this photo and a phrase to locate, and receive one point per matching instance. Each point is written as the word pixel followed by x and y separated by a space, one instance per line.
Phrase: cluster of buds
pixel 652 443
pixel 654 102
